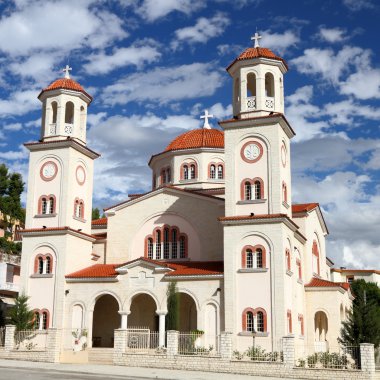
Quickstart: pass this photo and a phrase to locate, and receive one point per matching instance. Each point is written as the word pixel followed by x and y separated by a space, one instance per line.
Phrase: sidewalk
pixel 143 373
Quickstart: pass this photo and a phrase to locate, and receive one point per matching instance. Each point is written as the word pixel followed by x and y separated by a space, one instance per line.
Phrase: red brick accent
pixel 41 171
pixel 315 252
pixel 257 158
pixel 288 260
pixel 289 318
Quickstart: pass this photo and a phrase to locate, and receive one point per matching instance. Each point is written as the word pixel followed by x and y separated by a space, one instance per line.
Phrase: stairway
pixel 100 355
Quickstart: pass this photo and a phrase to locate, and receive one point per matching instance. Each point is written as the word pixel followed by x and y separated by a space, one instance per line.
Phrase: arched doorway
pixel 106 319
pixel 320 331
pixel 187 312
pixel 143 312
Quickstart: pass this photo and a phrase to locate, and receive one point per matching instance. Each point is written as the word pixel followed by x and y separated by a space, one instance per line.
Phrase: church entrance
pixel 106 319
pixel 143 313
pixel 187 313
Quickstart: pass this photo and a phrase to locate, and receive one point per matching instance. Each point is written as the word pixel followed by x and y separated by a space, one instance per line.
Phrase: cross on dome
pixel 256 38
pixel 67 70
pixel 206 116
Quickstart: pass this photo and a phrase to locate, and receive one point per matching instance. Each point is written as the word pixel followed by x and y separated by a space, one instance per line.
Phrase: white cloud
pixel 12 127
pixel 163 85
pixel 279 42
pixel 358 5
pixel 19 103
pixel 364 84
pixel 152 10
pixel 202 31
pixel 332 35
pixel 101 63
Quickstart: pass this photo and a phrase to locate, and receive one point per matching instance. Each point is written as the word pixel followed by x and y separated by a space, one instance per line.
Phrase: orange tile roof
pixel 99 222
pixel 198 138
pixel 258 52
pixel 319 283
pixel 96 271
pixel 67 84
pixel 191 268
pixel 304 207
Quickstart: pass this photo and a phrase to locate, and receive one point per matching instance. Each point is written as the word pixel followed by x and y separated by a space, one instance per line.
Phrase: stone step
pixel 100 355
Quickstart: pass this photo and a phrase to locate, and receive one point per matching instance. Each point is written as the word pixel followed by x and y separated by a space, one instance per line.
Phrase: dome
pixel 258 52
pixel 67 84
pixel 198 138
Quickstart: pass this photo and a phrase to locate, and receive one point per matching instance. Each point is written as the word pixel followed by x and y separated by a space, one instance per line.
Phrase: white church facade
pixel 219 220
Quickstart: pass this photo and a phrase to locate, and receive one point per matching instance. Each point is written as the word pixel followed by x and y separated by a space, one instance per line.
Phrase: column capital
pixel 161 312
pixel 124 312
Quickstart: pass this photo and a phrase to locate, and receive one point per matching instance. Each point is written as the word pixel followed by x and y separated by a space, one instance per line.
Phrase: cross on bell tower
pixel 67 70
pixel 206 116
pixel 256 38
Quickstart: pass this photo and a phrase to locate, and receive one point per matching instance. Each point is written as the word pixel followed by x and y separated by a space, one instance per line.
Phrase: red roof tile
pixel 95 271
pixel 304 207
pixel 258 52
pixel 319 283
pixel 99 222
pixel 67 84
pixel 198 138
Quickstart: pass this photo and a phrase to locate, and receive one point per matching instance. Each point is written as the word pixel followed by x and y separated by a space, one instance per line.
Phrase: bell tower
pixel 258 88
pixel 64 109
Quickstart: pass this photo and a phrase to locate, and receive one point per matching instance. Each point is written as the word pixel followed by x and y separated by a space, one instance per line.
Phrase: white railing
pixel 251 102
pixel 53 128
pixel 269 103
pixel 259 354
pixel 75 339
pixel 197 343
pixel 346 357
pixel 142 341
pixel 10 286
pixel 31 340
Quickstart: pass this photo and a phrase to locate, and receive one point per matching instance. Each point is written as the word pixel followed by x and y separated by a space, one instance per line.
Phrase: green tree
pixel 20 315
pixel 363 322
pixel 13 199
pixel 95 213
pixel 172 318
pixel 4 183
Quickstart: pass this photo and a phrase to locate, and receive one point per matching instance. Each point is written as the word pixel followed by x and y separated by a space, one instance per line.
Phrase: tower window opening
pixel 69 113
pixel 166 243
pixel 36 320
pixel 40 265
pixel 158 245
pixel 174 244
pixel 44 320
pixel 51 205
pixel 220 171
pixel 192 171
pixel 259 258
pixel 212 171
pixel 185 172
pixel 54 108
pixel 44 206
pixel 251 85
pixel 249 258
pixel 269 85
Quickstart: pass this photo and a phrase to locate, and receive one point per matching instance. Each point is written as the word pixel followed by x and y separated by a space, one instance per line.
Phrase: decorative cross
pixel 256 37
pixel 206 116
pixel 67 70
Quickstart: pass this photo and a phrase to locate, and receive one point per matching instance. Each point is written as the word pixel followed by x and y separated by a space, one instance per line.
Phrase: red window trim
pixel 252 182
pixel 301 319
pixel 315 252
pixel 47 198
pixel 43 257
pixel 299 266
pixel 188 164
pixel 253 248
pixel 254 312
pixel 284 192
pixel 289 321
pixel 288 260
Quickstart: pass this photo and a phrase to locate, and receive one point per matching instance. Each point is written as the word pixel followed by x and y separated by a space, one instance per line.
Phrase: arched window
pixel 269 85
pixel 48 265
pixel 192 171
pixel 257 189
pixel 168 175
pixel 259 258
pixel 51 205
pixel 250 325
pixel 158 244
pixel 76 208
pixel 260 321
pixel 81 209
pixel 315 254
pixel 185 172
pixel 284 193
pixel 154 181
pixel 40 265
pixel 212 171
pixel 249 258
pixel 54 108
pixel 45 320
pixel 182 247
pixel 251 85
pixel 247 191
pixel 150 248
pixel 174 244
pixel 298 264
pixel 220 171
pixel 44 205
pixel 163 176
pixel 166 243
pixel 287 260
pixel 69 113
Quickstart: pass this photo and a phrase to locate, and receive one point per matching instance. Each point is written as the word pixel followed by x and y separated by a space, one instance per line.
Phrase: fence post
pixel 172 343
pixel 53 344
pixel 9 342
pixel 288 349
pixel 367 357
pixel 226 345
pixel 120 343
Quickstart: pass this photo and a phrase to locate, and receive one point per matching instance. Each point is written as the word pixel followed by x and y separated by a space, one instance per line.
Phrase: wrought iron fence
pixel 258 353
pixel 75 339
pixel 198 343
pixel 2 336
pixel 345 357
pixel 143 340
pixel 31 340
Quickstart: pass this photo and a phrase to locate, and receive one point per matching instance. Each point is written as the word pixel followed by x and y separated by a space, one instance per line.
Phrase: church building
pixel 219 221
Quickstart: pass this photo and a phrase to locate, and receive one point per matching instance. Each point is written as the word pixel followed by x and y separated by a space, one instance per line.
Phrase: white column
pixel 161 328
pixel 124 319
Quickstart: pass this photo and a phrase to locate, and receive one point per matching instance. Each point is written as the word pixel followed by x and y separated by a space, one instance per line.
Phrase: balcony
pixel 10 287
pixel 269 103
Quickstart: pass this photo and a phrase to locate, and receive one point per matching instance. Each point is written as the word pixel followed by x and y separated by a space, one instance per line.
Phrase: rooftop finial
pixel 67 70
pixel 256 38
pixel 206 116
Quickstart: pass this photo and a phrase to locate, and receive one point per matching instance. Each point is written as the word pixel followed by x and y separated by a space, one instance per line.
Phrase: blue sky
pixel 153 66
